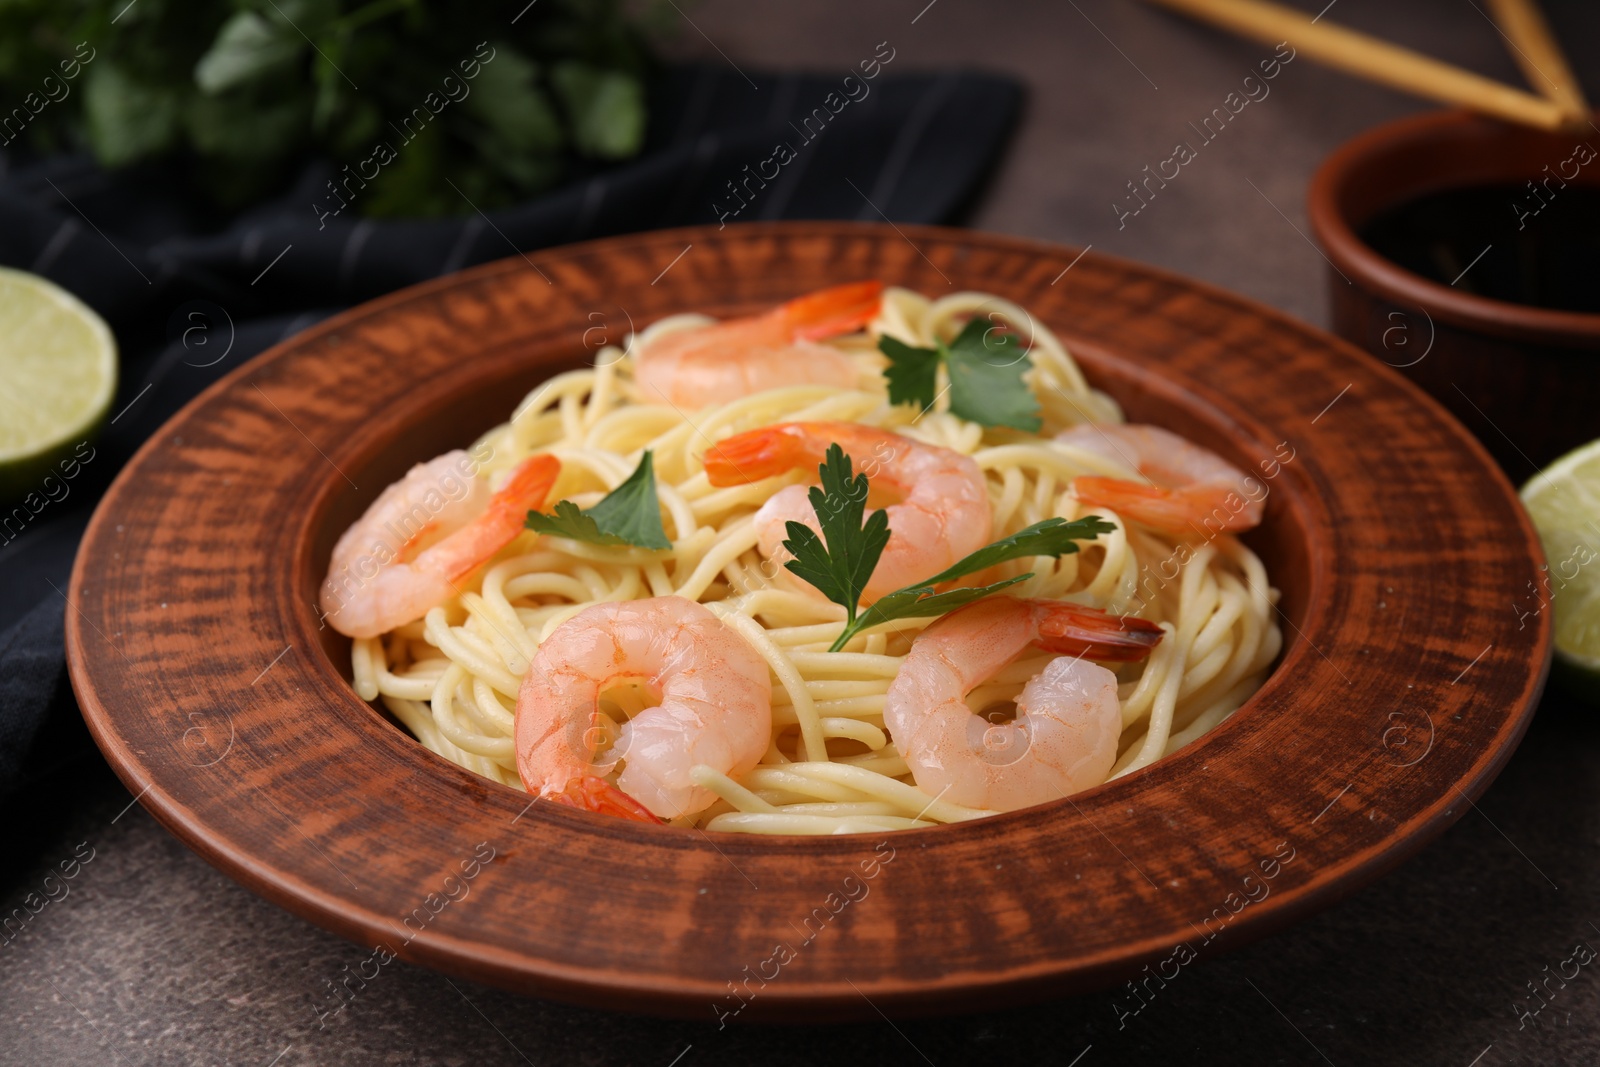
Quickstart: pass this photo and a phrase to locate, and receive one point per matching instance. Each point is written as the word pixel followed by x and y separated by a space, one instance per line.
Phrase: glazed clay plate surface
pixel 1406 680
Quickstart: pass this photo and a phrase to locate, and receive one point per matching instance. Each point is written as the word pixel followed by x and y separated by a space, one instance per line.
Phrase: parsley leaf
pixel 571 521
pixel 913 373
pixel 632 510
pixel 986 365
pixel 629 515
pixel 1052 537
pixel 986 386
pixel 840 567
pixel 839 563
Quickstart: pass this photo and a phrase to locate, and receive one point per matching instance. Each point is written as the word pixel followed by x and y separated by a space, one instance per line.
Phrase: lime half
pixel 1564 502
pixel 58 373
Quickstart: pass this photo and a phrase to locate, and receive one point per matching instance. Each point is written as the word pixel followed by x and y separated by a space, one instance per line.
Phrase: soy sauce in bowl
pixel 1465 253
pixel 1535 244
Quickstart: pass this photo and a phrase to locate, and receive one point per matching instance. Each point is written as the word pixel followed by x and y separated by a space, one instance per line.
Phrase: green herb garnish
pixel 985 364
pixel 840 567
pixel 629 515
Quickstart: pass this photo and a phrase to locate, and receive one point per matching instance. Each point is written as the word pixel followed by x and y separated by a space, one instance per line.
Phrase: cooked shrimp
pixel 377 577
pixel 943 513
pixel 723 361
pixel 1064 737
pixel 715 708
pixel 1195 489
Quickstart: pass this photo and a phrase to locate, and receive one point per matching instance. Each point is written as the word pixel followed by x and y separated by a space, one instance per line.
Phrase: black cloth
pixel 190 297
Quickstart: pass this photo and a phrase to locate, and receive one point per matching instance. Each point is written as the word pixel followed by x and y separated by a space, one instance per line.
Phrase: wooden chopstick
pixel 1536 51
pixel 1375 59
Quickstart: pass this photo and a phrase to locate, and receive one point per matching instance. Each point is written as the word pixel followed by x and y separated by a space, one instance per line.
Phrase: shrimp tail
pixel 1120 495
pixel 757 454
pixel 527 489
pixel 1174 511
pixel 830 312
pixel 501 521
pixel 590 793
pixel 1075 630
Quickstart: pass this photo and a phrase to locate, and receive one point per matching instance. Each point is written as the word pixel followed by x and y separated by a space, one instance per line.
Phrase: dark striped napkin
pixel 190 297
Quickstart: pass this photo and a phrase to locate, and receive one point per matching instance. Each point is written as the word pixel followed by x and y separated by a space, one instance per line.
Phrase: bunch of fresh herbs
pixel 502 105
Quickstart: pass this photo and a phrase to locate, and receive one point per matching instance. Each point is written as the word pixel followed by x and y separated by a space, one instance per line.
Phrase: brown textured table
pixel 148 956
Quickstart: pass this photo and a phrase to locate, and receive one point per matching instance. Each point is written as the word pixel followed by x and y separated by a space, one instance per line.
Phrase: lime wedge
pixel 1564 502
pixel 58 373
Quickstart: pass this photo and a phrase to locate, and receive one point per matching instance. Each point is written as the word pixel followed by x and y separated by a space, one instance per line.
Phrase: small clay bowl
pixel 1525 379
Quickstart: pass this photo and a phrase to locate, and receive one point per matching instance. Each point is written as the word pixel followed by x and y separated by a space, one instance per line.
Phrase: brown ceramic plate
pixel 1407 678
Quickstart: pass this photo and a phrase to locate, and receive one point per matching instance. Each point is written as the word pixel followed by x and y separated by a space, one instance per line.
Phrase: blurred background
pixel 213 178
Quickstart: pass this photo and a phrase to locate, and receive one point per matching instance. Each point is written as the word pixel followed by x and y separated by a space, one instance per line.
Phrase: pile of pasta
pixel 452 678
